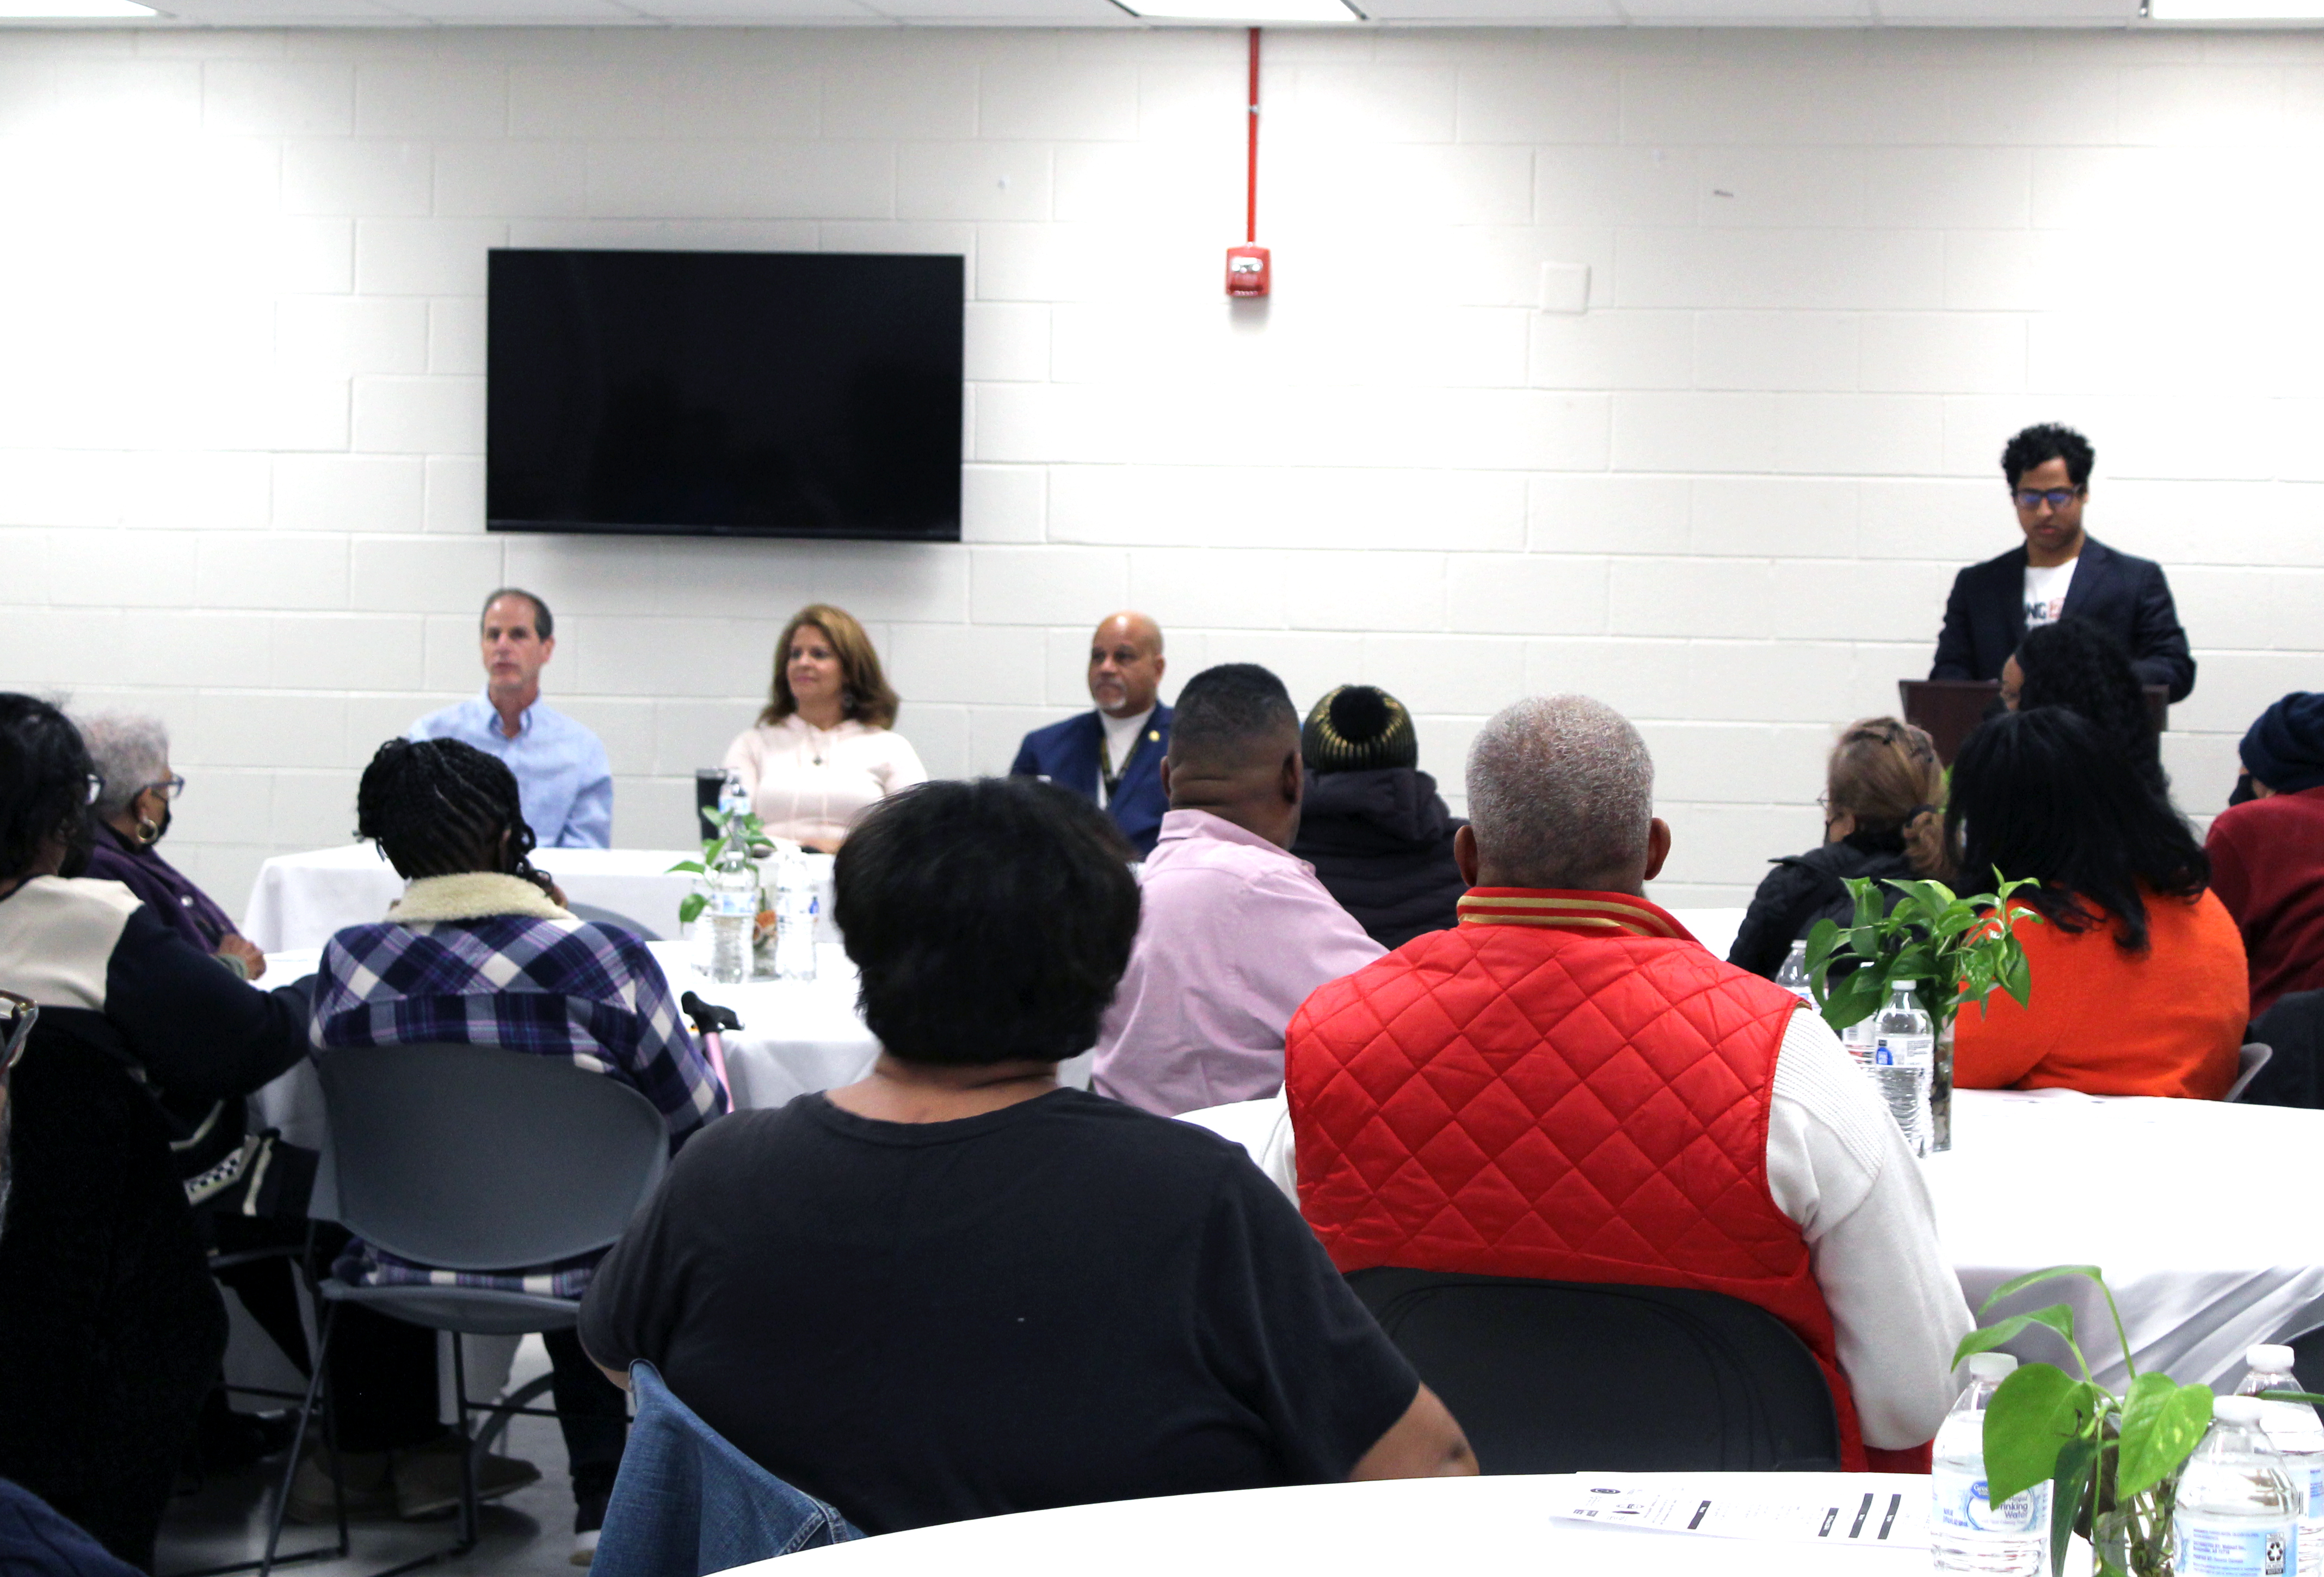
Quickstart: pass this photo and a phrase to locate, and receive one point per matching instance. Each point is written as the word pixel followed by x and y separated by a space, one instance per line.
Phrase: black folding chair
pixel 473 1158
pixel 1560 1377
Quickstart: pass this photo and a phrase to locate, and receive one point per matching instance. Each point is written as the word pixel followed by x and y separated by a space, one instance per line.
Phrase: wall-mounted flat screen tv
pixel 723 393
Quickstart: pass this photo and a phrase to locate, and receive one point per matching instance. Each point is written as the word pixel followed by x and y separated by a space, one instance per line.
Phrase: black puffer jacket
pixel 1804 889
pixel 1381 840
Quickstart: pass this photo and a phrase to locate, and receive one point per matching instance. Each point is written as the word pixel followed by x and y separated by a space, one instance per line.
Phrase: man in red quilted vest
pixel 1567 1085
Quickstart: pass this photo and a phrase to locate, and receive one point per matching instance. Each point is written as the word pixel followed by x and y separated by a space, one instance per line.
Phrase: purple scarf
pixel 165 889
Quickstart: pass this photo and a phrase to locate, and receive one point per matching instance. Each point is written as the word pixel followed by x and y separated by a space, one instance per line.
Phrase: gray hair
pixel 1561 793
pixel 130 750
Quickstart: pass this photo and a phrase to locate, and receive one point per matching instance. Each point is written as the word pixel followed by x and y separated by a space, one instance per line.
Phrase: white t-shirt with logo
pixel 2046 592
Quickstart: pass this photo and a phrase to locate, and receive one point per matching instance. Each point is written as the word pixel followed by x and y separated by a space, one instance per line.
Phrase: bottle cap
pixel 1903 985
pixel 1990 1366
pixel 2241 1411
pixel 2268 1357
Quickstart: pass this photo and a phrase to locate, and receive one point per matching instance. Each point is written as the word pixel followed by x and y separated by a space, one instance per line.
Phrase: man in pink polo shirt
pixel 1234 932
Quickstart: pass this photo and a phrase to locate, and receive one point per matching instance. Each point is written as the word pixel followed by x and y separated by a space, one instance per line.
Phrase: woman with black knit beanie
pixel 1373 825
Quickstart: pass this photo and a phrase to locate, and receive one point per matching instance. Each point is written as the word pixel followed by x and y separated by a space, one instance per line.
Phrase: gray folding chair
pixel 473 1158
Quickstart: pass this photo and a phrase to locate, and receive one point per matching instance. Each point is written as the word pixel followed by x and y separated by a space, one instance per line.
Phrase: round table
pixel 1398 1527
pixel 2196 1211
pixel 2192 1209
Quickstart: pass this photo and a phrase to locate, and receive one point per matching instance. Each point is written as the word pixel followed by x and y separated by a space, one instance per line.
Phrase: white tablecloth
pixel 299 899
pixel 2197 1211
pixel 2193 1209
pixel 1398 1527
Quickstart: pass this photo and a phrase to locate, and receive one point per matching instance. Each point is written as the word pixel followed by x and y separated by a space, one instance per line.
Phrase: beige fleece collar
pixel 472 896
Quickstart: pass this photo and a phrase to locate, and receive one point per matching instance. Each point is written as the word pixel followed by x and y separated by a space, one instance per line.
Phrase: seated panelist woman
pixel 2139 985
pixel 823 751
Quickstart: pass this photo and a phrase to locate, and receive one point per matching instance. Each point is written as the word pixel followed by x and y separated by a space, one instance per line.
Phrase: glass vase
pixel 2132 1538
pixel 1941 1091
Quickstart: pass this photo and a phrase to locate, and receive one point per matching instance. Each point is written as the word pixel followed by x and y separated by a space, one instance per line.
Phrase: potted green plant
pixel 1958 949
pixel 2112 1461
pixel 743 832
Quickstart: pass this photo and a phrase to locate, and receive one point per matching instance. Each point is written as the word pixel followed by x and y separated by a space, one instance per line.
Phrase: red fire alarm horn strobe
pixel 1250 270
pixel 1247 270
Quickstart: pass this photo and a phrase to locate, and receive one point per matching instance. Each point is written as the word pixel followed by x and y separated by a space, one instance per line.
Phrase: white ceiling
pixel 1105 13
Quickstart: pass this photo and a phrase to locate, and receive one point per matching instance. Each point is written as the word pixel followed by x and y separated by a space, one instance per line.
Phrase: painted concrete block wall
pixel 241 329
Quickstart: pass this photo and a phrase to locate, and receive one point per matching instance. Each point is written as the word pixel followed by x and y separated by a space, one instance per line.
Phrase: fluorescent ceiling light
pixel 71 9
pixel 2236 10
pixel 1242 13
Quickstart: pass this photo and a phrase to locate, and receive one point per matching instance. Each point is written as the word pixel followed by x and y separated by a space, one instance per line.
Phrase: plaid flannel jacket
pixel 558 988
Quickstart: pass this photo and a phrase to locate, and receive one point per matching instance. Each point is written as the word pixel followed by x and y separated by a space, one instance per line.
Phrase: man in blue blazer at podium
pixel 2060 571
pixel 1113 754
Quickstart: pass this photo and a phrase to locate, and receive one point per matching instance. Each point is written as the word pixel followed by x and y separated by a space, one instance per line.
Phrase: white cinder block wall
pixel 242 348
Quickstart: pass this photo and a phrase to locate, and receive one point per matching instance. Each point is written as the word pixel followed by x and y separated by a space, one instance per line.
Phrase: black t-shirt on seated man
pixel 1064 1301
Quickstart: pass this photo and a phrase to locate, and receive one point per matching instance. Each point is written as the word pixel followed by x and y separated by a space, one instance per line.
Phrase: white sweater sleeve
pixel 1837 1167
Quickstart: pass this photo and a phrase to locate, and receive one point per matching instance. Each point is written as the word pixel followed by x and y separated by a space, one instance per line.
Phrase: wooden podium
pixel 1950 709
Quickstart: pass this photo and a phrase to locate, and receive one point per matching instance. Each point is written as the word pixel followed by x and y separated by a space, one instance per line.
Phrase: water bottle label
pixel 1909 1051
pixel 2204 1548
pixel 727 903
pixel 1962 1505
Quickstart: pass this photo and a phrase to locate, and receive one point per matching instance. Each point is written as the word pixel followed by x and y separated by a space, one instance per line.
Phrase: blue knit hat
pixel 2286 748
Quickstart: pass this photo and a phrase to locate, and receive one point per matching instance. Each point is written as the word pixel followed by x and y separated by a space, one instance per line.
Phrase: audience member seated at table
pixel 133 812
pixel 2267 853
pixel 1113 753
pixel 112 1327
pixel 1372 824
pixel 560 767
pixel 824 750
pixel 479 950
pixel 1756 1160
pixel 954 1289
pixel 2139 984
pixel 1235 931
pixel 1882 788
pixel 2081 667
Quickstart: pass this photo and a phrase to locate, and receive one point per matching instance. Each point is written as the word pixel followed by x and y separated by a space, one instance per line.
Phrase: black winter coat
pixel 1804 889
pixel 1381 842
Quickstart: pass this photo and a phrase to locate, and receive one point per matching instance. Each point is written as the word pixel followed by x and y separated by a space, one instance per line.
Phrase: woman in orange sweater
pixel 2139 984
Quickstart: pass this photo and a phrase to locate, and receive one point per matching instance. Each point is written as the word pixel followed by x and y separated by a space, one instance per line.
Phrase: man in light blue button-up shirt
pixel 561 770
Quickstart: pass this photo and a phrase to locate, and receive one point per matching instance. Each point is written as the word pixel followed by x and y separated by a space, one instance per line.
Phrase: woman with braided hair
pixel 481 949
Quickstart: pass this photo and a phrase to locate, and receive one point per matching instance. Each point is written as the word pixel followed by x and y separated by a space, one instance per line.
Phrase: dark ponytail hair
pixel 439 808
pixel 2043 794
pixel 2084 667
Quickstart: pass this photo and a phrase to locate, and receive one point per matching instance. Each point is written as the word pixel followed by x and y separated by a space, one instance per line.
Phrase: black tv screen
pixel 723 393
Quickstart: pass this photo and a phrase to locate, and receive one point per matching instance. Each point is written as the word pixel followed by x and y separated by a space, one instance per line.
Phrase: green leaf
pixel 2162 1421
pixel 2034 1414
pixel 2020 1283
pixel 692 865
pixel 2071 1484
pixel 2058 1317
pixel 691 907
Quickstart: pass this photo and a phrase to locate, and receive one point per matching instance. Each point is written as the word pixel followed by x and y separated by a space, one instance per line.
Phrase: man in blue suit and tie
pixel 1113 754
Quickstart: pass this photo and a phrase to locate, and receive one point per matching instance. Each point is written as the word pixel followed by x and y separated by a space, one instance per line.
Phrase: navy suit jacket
pixel 1066 753
pixel 1985 617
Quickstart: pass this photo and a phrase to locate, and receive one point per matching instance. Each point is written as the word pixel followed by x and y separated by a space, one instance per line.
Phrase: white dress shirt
pixel 1840 1170
pixel 810 784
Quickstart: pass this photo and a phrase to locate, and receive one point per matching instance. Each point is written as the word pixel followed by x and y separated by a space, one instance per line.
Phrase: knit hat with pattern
pixel 1356 727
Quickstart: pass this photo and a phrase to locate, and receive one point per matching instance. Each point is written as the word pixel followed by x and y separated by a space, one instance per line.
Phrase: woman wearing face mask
pixel 131 814
pixel 824 750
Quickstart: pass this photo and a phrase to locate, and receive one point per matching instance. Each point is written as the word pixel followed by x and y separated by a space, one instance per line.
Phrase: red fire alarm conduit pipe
pixel 1250 184
pixel 1249 265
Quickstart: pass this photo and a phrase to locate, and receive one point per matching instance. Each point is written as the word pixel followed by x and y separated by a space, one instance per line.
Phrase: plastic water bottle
pixel 1794 976
pixel 2238 1513
pixel 733 884
pixel 1904 1060
pixel 795 911
pixel 1965 1533
pixel 1861 1039
pixel 2293 1429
